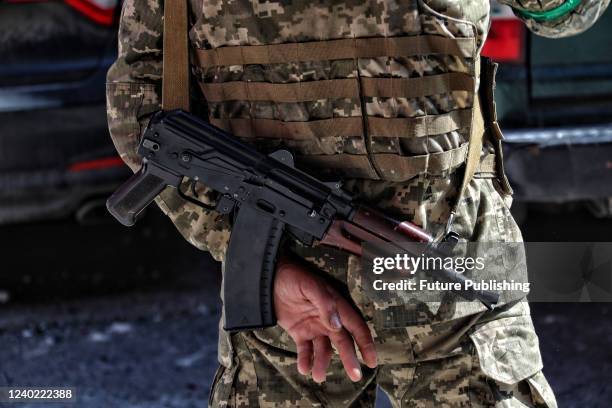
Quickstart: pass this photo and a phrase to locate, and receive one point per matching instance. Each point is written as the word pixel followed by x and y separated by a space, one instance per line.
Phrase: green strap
pixel 551 14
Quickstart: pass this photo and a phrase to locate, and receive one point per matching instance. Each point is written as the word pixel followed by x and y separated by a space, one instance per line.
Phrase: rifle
pixel 269 197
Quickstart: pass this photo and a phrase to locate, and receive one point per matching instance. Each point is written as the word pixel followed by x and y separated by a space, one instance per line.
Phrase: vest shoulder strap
pixel 472 160
pixel 175 76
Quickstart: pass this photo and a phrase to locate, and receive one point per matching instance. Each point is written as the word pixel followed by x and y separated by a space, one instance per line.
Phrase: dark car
pixel 56 157
pixel 554 100
pixel 554 104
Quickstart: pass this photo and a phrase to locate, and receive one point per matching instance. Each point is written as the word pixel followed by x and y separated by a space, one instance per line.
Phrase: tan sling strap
pixel 472 161
pixel 175 77
pixel 475 146
pixel 484 124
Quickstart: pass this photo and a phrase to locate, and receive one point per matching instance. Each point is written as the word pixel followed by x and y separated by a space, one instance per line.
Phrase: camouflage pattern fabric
pixel 341 20
pixel 490 359
pixel 133 89
pixel 424 349
pixel 133 93
pixel 577 21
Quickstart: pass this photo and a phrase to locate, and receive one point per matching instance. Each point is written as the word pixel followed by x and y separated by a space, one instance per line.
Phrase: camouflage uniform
pixel 356 113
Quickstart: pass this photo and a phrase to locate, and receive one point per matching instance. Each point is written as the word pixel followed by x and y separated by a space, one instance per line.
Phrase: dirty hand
pixel 316 316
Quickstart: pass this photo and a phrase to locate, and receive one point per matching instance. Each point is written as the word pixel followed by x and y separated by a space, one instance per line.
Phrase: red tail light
pixel 96 164
pixel 100 11
pixel 505 42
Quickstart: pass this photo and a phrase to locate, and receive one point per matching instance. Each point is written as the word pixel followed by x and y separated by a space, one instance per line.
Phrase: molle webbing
pixel 417 87
pixel 398 168
pixel 309 137
pixel 276 129
pixel 419 126
pixel 402 128
pixel 336 49
pixel 337 88
pixel 288 92
pixel 394 167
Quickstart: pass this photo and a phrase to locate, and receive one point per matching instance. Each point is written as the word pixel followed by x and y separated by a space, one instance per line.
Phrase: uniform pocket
pixel 510 366
pixel 508 349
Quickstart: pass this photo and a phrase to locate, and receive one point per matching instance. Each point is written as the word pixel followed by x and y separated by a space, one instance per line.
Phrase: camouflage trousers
pixel 445 354
pixel 490 359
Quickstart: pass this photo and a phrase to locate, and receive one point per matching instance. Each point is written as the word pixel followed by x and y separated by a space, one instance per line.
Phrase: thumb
pixel 324 300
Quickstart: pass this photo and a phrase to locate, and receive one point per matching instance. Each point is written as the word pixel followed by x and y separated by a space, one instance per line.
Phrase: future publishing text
pixel 401 265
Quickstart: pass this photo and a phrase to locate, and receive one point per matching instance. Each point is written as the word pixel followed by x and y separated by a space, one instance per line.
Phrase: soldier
pixel 386 95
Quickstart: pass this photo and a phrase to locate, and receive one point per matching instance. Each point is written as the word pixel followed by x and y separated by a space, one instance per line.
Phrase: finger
pixel 322 357
pixel 304 357
pixel 346 349
pixel 354 323
pixel 324 301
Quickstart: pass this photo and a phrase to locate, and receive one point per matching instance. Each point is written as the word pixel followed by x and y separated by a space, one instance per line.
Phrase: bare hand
pixel 316 316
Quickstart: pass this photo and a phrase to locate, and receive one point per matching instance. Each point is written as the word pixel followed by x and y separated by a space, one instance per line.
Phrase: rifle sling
pixel 175 77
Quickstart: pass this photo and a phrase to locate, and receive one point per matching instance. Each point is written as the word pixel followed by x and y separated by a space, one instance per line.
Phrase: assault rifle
pixel 269 197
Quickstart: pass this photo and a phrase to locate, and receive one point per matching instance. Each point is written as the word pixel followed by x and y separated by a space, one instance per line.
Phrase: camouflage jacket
pixel 133 87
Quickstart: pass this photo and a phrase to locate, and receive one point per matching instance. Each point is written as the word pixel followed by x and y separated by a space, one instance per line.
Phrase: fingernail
pixel 357 373
pixel 335 321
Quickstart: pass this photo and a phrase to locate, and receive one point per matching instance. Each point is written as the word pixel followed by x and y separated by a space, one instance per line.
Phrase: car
pixel 554 105
pixel 553 102
pixel 56 157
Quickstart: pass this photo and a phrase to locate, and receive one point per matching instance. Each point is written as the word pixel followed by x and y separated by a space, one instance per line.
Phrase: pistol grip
pixel 133 196
pixel 250 266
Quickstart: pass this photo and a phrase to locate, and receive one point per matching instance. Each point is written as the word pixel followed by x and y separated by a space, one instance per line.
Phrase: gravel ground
pixel 103 310
pixel 132 351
